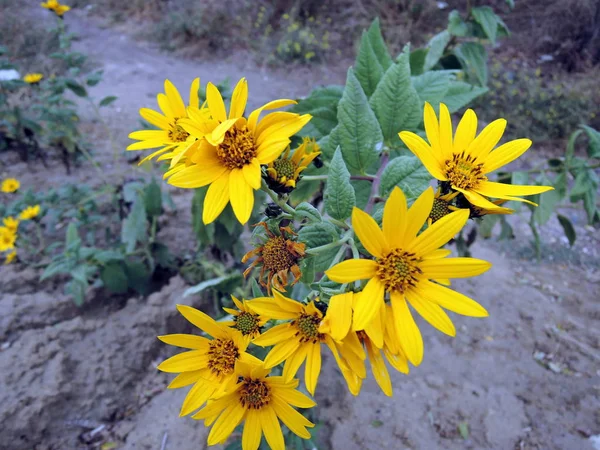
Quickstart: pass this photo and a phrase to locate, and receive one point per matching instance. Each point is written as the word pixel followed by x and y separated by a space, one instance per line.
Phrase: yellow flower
pixel 294 341
pixel 259 401
pixel 11 223
pixel 229 157
pixel 7 239
pixel 33 78
pixel 442 206
pixel 404 268
pixel 54 5
pixel 30 212
pixel 284 172
pixel 277 256
pixel 464 162
pixel 210 363
pixel 480 212
pixel 170 136
pixel 245 320
pixel 10 185
pixel 10 257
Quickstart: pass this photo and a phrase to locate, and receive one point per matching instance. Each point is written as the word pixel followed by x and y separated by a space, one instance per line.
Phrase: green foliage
pixel 339 193
pixel 406 172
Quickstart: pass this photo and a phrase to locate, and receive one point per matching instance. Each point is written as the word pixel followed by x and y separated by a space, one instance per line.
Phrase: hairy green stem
pixel 352 177
pixel 323 248
pixel 282 204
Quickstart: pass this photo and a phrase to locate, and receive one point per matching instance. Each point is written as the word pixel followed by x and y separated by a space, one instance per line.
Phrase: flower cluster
pixel 362 307
pixel 56 7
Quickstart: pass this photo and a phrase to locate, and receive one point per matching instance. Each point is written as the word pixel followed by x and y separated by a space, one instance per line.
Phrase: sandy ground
pixel 527 377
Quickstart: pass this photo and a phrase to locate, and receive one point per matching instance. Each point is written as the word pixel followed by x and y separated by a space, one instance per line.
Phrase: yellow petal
pixel 280 352
pixel 487 140
pixel 450 300
pixel 283 129
pixel 216 199
pixel 185 340
pixel 239 99
pixel 158 135
pixel 202 321
pixel 194 88
pixel 501 190
pixel 215 103
pixel 184 362
pixel 275 335
pixel 252 173
pixel 432 127
pixel 394 218
pixel 291 396
pixel 380 372
pixel 369 233
pixel 368 303
pixel 440 232
pixel 293 363
pixel 270 150
pixel 241 196
pixel 295 421
pixel 418 214
pixel 185 379
pixel 226 423
pixel 155 118
pixel 465 131
pixel 271 428
pixel 477 199
pixel 175 100
pixel 252 431
pixel 375 328
pixel 407 330
pixel 352 270
pixel 312 369
pixel 425 153
pixel 165 105
pixel 432 313
pixel 198 175
pixel 505 154
pixel 446 146
pixel 197 396
pixel 254 115
pixel 453 267
pixel 339 313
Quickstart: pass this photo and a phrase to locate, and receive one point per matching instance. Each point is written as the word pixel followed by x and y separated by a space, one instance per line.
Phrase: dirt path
pixel 528 377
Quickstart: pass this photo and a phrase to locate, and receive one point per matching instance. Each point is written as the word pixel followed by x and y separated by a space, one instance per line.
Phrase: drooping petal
pixel 380 372
pixel 293 363
pixel 271 428
pixel 368 303
pixel 254 115
pixel 432 313
pixel 375 329
pixel 239 99
pixel 477 199
pixel 216 199
pixel 465 131
pixel 241 196
pixel 418 214
pixel 312 368
pixel 394 218
pixel 450 300
pixel 252 431
pixel 339 313
pixel 226 423
pixel 453 267
pixel 505 154
pixel 252 173
pixel 407 330
pixel 352 270
pixel 369 233
pixel 425 153
pixel 440 232
pixel 483 144
pixel 215 103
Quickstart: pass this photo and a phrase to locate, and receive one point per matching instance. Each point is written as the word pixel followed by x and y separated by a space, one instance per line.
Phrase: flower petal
pixel 339 313
pixel 440 232
pixel 418 214
pixel 291 396
pixel 252 173
pixel 465 131
pixel 293 363
pixel 202 321
pixel 432 127
pixel 367 304
pixel 407 330
pixel 295 421
pixel 483 144
pixel 271 428
pixel 394 218
pixel 369 233
pixel 379 369
pixel 425 153
pixel 432 313
pixel 226 423
pixel 450 300
pixel 352 270
pixel 501 190
pixel 241 196
pixel 216 199
pixel 239 99
pixel 185 340
pixel 175 100
pixel 252 433
pixel 312 369
pixel 453 267
pixel 446 146
pixel 280 352
pixel 155 118
pixel 505 154
pixel 197 175
pixel 254 115
pixel 275 335
pixel 194 88
pixel 184 362
pixel 215 103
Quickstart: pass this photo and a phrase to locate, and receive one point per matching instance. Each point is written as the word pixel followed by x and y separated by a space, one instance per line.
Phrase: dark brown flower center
pixel 439 210
pixel 254 394
pixel 277 256
pixel 463 172
pixel 398 270
pixel 177 133
pixel 237 148
pixel 222 356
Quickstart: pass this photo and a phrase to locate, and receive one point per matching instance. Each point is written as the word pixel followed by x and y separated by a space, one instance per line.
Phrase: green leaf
pixel 460 94
pixel 485 16
pixel 134 229
pixel 256 289
pixel 307 211
pixel 584 181
pixel 358 131
pixel 114 278
pixel 436 47
pixel 546 203
pixel 408 173
pixel 55 268
pixel 107 100
pixel 205 234
pixel 308 270
pixel 456 25
pixel 594 141
pixel 487 225
pixel 463 429
pixel 473 58
pixel 322 105
pixel 378 45
pixel 417 61
pixel 316 235
pixel 305 191
pixel 395 101
pixel 132 190
pixel 76 88
pixel 362 189
pixel 153 199
pixel 432 86
pixel 213 282
pixel 76 289
pixel 568 228
pixel 339 194
pixel 94 78
pixel 138 276
pixel 367 67
pixel 72 237
pixel 106 256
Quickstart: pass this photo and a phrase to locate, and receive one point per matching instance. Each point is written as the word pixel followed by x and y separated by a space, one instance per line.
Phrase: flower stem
pixel 322 248
pixel 375 186
pixel 287 208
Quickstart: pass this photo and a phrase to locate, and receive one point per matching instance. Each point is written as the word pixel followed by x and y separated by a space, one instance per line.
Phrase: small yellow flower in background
pixel 170 136
pixel 30 212
pixel 230 155
pixel 245 320
pixel 11 223
pixel 209 364
pixel 464 161
pixel 54 5
pixel 33 78
pixel 405 267
pixel 285 172
pixel 10 257
pixel 7 239
pixel 10 185
pixel 276 257
pixel 260 401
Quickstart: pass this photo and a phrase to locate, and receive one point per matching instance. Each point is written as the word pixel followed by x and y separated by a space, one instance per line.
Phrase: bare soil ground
pixel 527 377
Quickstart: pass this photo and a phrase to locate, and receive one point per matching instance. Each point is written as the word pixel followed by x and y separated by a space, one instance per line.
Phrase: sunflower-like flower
pixel 31 212
pixel 33 78
pixel 245 320
pixel 11 223
pixel 209 364
pixel 10 257
pixel 465 161
pixel 231 153
pixel 7 239
pixel 405 266
pixel 54 5
pixel 295 341
pixel 10 185
pixel 277 256
pixel 170 136
pixel 284 173
pixel 260 401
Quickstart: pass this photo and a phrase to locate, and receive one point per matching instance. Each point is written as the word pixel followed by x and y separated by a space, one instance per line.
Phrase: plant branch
pixel 376 182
